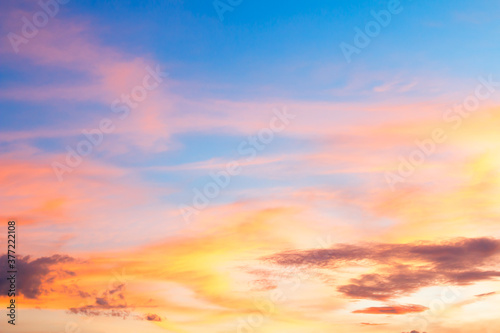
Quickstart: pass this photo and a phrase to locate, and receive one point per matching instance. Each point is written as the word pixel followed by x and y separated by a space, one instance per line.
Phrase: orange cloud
pixel 395 309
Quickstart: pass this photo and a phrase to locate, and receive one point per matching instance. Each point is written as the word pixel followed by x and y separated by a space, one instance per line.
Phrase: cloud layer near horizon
pixel 402 269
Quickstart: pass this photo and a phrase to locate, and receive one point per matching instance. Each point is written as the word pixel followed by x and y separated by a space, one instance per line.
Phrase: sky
pixel 250 166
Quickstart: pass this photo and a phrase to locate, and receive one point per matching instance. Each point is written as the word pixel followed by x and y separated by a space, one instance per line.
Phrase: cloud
pixel 101 301
pixel 110 303
pixel 486 294
pixel 152 317
pixel 396 309
pixel 373 324
pixel 34 275
pixel 384 287
pixel 98 310
pixel 402 269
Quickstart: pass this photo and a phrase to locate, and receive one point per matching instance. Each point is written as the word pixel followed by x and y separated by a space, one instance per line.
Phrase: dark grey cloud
pixel 402 269
pixel 101 301
pixel 152 317
pixel 34 276
pixel 386 286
